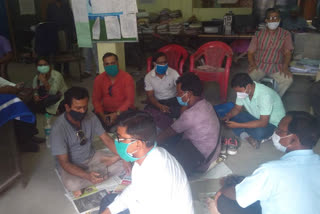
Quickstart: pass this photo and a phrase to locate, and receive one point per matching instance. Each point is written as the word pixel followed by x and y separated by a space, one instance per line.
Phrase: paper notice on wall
pixel 79 9
pixel 112 27
pixel 129 6
pixel 106 6
pixel 129 25
pixel 96 29
pixel 27 7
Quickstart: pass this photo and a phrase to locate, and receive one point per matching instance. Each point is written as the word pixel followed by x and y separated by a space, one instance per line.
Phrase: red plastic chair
pixel 213 55
pixel 176 55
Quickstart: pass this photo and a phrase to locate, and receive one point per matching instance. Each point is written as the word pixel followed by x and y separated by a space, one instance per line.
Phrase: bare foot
pixel 253 142
pixel 77 193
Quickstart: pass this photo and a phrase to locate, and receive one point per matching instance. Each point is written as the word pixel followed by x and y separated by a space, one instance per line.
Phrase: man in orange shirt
pixel 113 91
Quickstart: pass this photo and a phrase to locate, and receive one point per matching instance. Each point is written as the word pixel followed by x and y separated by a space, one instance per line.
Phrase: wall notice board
pixel 105 21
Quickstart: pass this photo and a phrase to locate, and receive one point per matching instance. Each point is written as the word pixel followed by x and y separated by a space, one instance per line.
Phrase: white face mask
pixel 276 142
pixel 273 25
pixel 242 95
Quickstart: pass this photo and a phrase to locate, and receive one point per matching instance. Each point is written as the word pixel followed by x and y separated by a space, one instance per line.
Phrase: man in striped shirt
pixel 269 53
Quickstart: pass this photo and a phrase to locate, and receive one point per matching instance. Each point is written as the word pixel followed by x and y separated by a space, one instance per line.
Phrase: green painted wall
pixel 185 6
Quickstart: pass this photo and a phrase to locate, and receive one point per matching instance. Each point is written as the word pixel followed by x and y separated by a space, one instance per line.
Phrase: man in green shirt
pixel 264 110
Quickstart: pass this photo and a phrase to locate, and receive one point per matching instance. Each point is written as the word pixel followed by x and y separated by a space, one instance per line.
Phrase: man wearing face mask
pixel 113 91
pixel 71 143
pixel 159 184
pixel 264 110
pixel 289 185
pixel 193 138
pixel 160 85
pixel 269 53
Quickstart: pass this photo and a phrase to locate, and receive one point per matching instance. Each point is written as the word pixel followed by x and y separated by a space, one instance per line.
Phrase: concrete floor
pixel 40 191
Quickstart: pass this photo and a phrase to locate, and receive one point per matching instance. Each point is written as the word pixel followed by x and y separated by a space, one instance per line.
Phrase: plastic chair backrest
pixel 46 39
pixel 214 53
pixel 176 56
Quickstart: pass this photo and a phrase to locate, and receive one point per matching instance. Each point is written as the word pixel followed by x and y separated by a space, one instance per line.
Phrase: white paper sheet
pixel 27 7
pixel 112 27
pixel 106 6
pixel 129 6
pixel 128 23
pixel 96 29
pixel 79 9
pixel 219 171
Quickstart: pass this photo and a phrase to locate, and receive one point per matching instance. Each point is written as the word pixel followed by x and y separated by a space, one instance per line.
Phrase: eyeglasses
pixel 123 139
pixel 110 91
pixel 82 137
pixel 273 18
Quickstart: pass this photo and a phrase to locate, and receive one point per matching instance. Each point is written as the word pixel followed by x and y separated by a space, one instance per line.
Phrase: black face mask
pixel 77 116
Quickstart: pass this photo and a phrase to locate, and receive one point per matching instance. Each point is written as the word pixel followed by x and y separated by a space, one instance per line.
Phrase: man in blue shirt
pixel 289 185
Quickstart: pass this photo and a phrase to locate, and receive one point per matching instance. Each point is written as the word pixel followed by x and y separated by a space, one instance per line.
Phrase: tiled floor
pixel 39 190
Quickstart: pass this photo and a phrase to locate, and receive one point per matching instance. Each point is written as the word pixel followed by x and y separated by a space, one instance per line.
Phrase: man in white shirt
pixel 159 184
pixel 160 85
pixel 289 185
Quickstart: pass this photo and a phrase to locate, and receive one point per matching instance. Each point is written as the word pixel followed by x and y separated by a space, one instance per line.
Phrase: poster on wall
pixel 27 7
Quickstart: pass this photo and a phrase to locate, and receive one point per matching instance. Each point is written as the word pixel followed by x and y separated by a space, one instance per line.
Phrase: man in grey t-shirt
pixel 71 144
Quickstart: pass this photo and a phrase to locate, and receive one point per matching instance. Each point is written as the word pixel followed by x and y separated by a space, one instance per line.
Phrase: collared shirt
pixel 265 101
pixel 159 185
pixel 288 186
pixel 120 97
pixel 164 88
pixel 64 139
pixel 4 82
pixel 269 48
pixel 4 46
pixel 200 125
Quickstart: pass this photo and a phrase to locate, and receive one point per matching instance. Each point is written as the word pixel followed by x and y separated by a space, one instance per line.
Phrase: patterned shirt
pixel 269 48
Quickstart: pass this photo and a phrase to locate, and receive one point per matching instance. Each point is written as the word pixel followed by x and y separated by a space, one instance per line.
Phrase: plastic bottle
pixel 47 128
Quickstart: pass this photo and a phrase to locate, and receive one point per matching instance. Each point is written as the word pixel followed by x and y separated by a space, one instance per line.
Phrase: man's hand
pixel 213 205
pixel 227 117
pixel 128 167
pixel 233 125
pixel 113 116
pixel 94 177
pixel 9 90
pixel 36 98
pixel 285 71
pixel 252 67
pixel 164 108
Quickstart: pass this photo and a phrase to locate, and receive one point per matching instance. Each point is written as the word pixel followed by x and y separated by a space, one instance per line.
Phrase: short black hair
pixel 158 55
pixel 271 10
pixel 140 125
pixel 42 58
pixel 241 80
pixel 77 93
pixel 305 126
pixel 108 54
pixel 190 82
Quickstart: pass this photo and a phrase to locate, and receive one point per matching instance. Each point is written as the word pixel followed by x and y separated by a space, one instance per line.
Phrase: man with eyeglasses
pixel 71 143
pixel 287 186
pixel 269 53
pixel 113 91
pixel 160 86
pixel 159 184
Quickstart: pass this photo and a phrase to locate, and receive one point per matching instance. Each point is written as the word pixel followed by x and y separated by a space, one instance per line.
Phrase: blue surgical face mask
pixel 181 102
pixel 43 69
pixel 161 69
pixel 122 151
pixel 111 70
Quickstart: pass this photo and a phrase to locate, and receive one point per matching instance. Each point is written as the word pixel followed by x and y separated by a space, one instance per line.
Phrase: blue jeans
pixel 107 200
pixel 257 133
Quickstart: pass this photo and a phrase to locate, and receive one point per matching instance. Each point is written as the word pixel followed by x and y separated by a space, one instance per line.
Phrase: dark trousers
pixel 228 206
pixel 259 134
pixel 40 107
pixel 24 131
pixel 107 200
pixel 315 98
pixel 185 152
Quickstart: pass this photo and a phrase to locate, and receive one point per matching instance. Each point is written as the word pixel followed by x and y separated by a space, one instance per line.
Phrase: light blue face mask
pixel 122 151
pixel 111 70
pixel 181 102
pixel 161 69
pixel 43 69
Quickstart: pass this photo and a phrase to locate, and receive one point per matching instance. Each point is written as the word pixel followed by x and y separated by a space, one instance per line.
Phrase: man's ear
pixel 67 107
